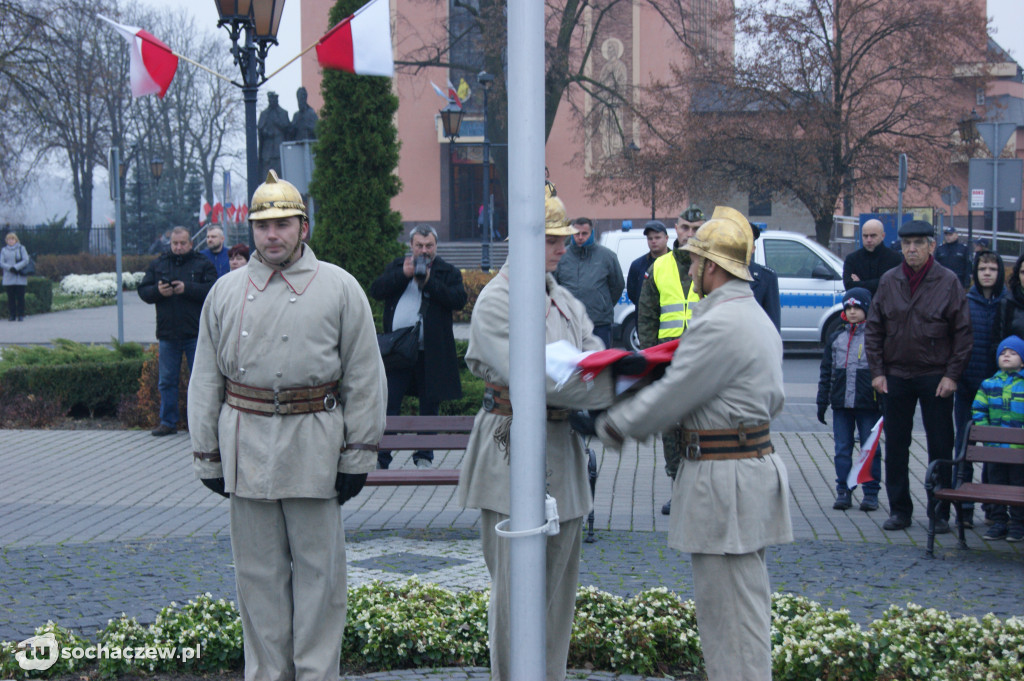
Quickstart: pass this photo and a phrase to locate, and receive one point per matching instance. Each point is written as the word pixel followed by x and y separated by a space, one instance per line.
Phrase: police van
pixel 810 283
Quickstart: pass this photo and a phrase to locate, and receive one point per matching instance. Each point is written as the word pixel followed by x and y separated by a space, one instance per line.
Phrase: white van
pixel 810 283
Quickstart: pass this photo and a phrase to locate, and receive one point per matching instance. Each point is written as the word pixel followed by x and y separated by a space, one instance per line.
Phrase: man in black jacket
pixel 177 283
pixel 953 255
pixel 865 266
pixel 414 287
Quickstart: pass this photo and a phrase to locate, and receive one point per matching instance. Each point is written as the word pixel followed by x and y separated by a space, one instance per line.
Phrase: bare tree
pixel 18 56
pixel 821 98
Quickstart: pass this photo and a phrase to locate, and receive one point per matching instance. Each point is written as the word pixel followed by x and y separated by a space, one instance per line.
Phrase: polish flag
pixel 861 471
pixel 204 210
pixel 152 63
pixel 242 213
pixel 563 360
pixel 229 211
pixel 217 211
pixel 361 43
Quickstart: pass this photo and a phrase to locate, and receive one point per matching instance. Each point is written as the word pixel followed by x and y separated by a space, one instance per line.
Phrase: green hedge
pixel 90 377
pixel 38 296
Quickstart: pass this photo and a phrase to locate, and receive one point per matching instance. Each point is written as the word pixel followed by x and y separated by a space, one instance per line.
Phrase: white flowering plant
pixel 103 285
pixel 416 625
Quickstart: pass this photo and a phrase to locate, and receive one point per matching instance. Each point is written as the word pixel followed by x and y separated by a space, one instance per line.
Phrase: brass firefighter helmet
pixel 276 198
pixel 727 240
pixel 555 221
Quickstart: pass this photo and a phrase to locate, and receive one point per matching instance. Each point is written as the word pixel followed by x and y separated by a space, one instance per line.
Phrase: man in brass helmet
pixel 664 310
pixel 729 499
pixel 285 410
pixel 484 481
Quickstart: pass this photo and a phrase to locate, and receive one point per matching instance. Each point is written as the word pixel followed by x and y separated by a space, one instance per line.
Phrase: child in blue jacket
pixel 1000 402
pixel 845 383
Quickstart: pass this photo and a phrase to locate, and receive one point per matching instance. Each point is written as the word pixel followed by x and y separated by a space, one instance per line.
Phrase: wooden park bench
pixel 981 445
pixel 445 433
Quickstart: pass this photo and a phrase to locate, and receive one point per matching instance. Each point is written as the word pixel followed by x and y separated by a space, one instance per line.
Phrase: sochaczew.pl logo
pixel 42 652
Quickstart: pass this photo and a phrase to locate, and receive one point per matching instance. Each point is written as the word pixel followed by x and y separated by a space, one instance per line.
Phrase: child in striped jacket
pixel 1000 402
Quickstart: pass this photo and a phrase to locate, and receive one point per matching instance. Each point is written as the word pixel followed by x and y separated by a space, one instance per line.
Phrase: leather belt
pixel 282 402
pixel 745 442
pixel 497 401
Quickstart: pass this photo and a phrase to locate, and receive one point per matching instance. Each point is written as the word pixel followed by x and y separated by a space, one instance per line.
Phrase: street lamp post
pixel 259 21
pixel 485 79
pixel 451 121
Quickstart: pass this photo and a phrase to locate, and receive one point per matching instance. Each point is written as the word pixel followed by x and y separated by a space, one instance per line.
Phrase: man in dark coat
pixel 657 243
pixel 765 285
pixel 865 266
pixel 918 341
pixel 177 283
pixel 418 286
pixel 954 256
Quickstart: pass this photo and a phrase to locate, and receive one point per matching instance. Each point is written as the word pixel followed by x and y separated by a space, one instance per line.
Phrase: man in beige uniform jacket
pixel 285 409
pixel 730 497
pixel 484 479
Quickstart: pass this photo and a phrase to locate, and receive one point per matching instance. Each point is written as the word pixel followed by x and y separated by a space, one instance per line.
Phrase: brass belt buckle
pixel 277 402
pixel 330 401
pixel 692 449
pixel 488 401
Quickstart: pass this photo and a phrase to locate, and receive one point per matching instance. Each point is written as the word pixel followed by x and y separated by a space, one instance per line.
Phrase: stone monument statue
pixel 274 129
pixel 304 120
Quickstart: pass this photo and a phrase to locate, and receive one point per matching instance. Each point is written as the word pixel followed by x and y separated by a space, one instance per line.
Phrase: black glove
pixel 585 422
pixel 632 364
pixel 349 485
pixel 822 408
pixel 216 485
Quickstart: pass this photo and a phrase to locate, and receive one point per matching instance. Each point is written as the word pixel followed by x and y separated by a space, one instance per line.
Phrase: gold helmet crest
pixel 276 198
pixel 727 240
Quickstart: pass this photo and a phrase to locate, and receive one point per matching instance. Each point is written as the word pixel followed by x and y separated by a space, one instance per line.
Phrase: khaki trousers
pixel 290 573
pixel 562 577
pixel 734 615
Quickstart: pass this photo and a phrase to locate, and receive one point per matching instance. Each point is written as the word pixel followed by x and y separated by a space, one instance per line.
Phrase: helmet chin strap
pixel 698 281
pixel 292 257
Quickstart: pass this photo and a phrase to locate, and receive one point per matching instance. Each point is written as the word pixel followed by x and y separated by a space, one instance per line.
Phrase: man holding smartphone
pixel 177 283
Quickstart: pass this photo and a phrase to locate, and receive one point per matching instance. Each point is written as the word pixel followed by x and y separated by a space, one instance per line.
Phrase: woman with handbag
pixel 14 261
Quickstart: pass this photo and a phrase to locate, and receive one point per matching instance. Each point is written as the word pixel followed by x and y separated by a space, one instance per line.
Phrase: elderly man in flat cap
pixel 918 340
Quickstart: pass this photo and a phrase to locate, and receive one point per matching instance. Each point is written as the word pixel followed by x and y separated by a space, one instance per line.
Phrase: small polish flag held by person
pixel 861 471
pixel 152 63
pixel 360 43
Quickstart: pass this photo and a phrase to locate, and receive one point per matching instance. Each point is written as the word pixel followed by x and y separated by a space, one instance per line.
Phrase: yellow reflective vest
pixel 675 305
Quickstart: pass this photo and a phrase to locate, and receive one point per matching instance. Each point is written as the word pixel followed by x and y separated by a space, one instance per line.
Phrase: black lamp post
pixel 259 20
pixel 451 121
pixel 485 79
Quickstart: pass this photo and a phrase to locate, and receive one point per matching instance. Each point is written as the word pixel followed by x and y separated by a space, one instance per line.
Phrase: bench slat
pixel 996 435
pixel 977 453
pixel 429 424
pixel 1009 495
pixel 410 477
pixel 415 441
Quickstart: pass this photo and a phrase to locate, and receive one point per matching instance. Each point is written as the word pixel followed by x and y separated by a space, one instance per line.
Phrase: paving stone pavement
pixel 96 523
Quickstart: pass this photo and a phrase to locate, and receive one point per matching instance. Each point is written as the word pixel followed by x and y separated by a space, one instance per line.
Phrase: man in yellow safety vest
pixel 664 311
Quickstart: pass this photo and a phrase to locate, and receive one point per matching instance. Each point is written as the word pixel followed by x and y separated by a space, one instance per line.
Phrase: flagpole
pixel 287 63
pixel 204 68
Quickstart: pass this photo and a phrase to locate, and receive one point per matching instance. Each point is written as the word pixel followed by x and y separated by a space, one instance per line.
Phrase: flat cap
pixel 916 228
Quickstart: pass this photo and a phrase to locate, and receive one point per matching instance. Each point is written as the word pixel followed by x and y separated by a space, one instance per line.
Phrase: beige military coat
pixel 307 325
pixel 726 372
pixel 484 478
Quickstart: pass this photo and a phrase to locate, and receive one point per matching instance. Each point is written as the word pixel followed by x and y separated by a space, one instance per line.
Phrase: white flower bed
pixel 103 284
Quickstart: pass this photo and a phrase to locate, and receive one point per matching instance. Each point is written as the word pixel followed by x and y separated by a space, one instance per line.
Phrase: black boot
pixel 843 500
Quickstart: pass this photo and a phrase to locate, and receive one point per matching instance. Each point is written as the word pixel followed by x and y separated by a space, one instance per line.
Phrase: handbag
pixel 400 348
pixel 29 269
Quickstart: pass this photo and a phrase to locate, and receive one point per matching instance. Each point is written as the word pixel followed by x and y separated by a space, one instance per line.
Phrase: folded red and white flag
pixel 563 360
pixel 861 471
pixel 152 63
pixel 360 43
